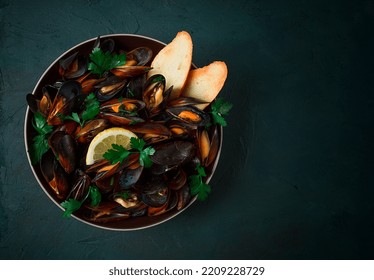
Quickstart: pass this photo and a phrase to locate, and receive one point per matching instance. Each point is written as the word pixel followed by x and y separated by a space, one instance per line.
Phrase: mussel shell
pixel 73 66
pixel 173 153
pixel 153 93
pixel 134 88
pixel 64 148
pixel 109 88
pixel 55 175
pixel 118 119
pixel 80 186
pixel 180 129
pixel 67 100
pixel 189 114
pixel 130 177
pixel 107 45
pixel 44 104
pixel 214 145
pixel 124 106
pixel 203 143
pixel 177 179
pixel 156 199
pixel 184 197
pixel 142 55
pixel 151 184
pixel 131 200
pixel 90 130
pixel 105 212
pixel 129 71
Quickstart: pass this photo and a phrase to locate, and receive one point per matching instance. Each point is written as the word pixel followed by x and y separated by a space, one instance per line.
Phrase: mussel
pixel 153 93
pixel 55 176
pixel 189 114
pixel 44 104
pixel 80 186
pixel 86 133
pixel 64 147
pixel 67 100
pixel 208 143
pixel 73 66
pixel 139 56
pixel 171 155
pixel 109 88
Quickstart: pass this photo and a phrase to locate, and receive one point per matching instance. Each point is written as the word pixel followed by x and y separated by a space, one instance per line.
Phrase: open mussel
pixel 189 114
pixel 73 66
pixel 108 211
pixel 185 101
pixel 55 175
pixel 106 45
pixel 127 199
pixel 153 93
pixel 207 143
pixel 152 132
pixel 122 111
pixel 125 71
pixel 109 88
pixel 139 56
pixel 86 133
pixel 63 146
pixel 180 129
pixel 67 100
pixel 44 104
pixel 80 186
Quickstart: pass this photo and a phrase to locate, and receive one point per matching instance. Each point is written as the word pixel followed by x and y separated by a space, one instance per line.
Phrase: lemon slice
pixel 103 141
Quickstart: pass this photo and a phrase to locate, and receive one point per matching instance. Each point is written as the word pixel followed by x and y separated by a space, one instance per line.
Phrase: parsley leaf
pixel 74 117
pixel 71 206
pixel 197 186
pixel 117 154
pixel 92 107
pixel 39 148
pixel 95 195
pixel 40 124
pixel 138 144
pixel 40 142
pixel 104 61
pixel 144 158
pixel 219 109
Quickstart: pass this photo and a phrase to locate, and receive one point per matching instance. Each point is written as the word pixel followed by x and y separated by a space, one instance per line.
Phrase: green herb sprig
pixel 102 62
pixel 40 142
pixel 118 153
pixel 91 110
pixel 197 186
pixel 71 205
pixel 219 109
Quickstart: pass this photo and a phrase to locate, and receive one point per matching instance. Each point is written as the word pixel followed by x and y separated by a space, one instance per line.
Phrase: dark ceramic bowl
pixel 126 42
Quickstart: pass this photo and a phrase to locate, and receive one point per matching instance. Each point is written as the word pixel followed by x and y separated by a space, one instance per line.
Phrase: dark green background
pixel 295 179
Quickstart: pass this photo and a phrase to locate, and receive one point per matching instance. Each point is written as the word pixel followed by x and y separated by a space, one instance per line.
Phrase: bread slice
pixel 205 83
pixel 174 62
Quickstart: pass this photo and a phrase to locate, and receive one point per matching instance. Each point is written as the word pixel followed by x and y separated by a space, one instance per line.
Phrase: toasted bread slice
pixel 174 62
pixel 205 83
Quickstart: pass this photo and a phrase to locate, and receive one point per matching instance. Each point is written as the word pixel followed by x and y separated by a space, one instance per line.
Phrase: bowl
pixel 50 75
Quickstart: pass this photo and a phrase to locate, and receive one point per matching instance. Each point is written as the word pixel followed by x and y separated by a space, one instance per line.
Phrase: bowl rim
pixel 36 176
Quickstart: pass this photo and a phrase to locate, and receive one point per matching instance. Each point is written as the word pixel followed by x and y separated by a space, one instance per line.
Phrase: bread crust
pixel 174 62
pixel 205 83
